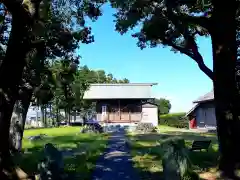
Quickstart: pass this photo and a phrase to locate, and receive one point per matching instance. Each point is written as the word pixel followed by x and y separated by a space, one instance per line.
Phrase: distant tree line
pixel 68 90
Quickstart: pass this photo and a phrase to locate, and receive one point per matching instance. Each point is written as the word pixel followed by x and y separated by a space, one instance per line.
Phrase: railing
pixel 121 117
pixel 121 121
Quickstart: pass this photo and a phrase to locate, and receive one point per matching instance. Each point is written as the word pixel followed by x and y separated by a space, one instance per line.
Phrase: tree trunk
pixel 225 91
pixel 43 116
pixel 10 75
pixel 58 121
pixel 69 116
pixel 18 121
pixel 66 115
pixel 75 115
pixel 50 116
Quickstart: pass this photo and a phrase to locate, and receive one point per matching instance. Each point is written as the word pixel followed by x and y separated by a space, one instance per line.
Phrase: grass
pixel 85 149
pixel 147 158
pixel 166 129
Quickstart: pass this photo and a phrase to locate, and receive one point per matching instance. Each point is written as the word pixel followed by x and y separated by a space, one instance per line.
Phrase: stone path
pixel 115 163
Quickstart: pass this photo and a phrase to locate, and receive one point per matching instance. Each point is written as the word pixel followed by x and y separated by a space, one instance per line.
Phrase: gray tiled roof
pixel 207 97
pixel 120 91
pixel 195 105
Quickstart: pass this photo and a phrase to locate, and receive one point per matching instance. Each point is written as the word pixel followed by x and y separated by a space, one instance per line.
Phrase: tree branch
pixel 3 24
pixel 192 49
pixel 17 9
pixel 199 59
pixel 184 18
pixel 199 20
pixel 196 56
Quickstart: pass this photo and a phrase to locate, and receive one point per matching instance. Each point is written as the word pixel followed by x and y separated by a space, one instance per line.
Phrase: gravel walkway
pixel 115 163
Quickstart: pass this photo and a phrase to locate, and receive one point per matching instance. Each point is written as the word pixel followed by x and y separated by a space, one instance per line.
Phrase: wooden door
pixel 114 114
pixel 125 114
pixel 136 113
pixel 125 117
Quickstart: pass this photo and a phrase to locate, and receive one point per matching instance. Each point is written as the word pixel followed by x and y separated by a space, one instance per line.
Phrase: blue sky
pixel 178 77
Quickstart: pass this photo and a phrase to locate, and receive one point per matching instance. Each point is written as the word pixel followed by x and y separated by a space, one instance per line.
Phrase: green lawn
pixel 147 158
pixel 86 149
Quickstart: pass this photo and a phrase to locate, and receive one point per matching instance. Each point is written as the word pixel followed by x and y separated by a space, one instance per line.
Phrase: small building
pixel 123 104
pixel 202 115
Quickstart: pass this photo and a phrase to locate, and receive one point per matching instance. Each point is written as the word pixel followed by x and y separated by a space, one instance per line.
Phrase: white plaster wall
pixel 150 115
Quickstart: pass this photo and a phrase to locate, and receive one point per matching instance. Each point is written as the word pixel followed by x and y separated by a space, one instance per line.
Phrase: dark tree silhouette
pixel 29 22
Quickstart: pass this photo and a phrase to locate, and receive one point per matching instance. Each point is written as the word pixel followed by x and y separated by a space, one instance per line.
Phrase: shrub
pixel 177 120
pixel 145 127
pixel 175 160
pixel 92 128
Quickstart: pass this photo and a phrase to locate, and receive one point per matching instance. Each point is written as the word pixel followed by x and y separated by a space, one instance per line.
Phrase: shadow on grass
pixel 147 158
pixel 79 153
pixel 190 136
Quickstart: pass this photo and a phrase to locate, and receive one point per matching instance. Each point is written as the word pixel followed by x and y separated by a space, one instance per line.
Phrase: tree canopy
pixel 69 87
pixel 164 105
pixel 37 32
pixel 168 23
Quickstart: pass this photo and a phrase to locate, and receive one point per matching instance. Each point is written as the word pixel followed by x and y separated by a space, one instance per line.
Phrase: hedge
pixel 177 120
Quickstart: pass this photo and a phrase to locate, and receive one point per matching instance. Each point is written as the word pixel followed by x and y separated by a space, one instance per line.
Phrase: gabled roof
pixel 119 91
pixel 207 97
pixel 192 109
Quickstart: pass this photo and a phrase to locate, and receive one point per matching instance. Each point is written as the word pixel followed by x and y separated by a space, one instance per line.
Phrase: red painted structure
pixel 193 123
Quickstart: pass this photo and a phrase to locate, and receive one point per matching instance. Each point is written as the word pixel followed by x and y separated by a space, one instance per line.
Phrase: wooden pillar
pixel 129 114
pixel 108 112
pixel 119 109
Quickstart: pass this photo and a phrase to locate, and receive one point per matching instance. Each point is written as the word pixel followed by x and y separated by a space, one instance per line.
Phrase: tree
pixel 125 80
pixel 69 91
pixel 80 85
pixel 164 105
pixel 109 78
pixel 66 78
pixel 177 24
pixel 29 20
pixel 37 77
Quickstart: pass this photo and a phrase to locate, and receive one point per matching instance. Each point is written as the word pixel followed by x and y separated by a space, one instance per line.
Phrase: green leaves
pixel 2 18
pixel 71 86
pixel 160 22
pixel 168 23
pixel 164 105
